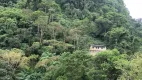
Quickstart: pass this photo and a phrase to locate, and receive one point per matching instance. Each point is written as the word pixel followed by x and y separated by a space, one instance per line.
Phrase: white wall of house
pixel 94 50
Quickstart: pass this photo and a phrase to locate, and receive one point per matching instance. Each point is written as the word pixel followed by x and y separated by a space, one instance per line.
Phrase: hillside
pixel 50 39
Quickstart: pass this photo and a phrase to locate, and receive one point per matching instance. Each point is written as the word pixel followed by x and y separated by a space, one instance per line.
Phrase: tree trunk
pixel 41 36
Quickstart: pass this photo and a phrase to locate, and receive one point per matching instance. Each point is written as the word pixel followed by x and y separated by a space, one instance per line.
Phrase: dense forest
pixel 50 40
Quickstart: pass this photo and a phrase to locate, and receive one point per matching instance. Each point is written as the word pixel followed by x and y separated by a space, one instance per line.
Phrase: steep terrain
pixel 49 39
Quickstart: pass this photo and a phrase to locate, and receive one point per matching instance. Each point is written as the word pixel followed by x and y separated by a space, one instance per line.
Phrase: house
pixel 96 48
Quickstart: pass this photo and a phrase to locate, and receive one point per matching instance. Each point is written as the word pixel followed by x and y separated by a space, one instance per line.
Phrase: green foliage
pixel 58 47
pixel 106 65
pixel 48 33
pixel 6 72
pixel 72 22
pixel 131 69
pixel 70 67
pixel 7 3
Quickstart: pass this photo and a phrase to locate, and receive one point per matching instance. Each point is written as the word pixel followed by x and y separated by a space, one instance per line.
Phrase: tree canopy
pixel 50 40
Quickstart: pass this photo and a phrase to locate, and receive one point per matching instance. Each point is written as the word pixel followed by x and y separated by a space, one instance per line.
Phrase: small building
pixel 96 48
